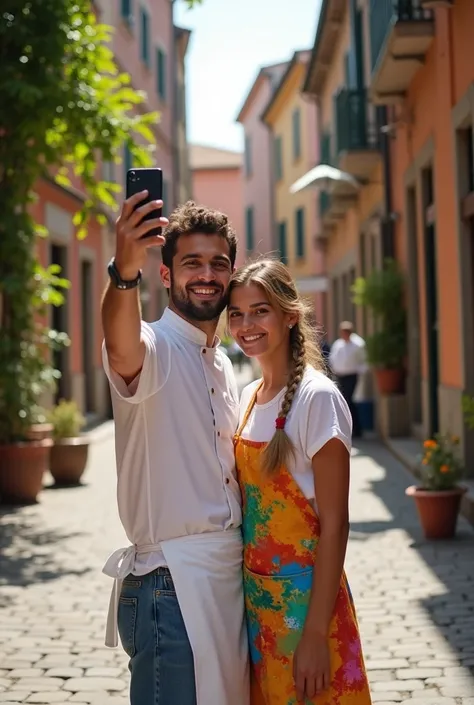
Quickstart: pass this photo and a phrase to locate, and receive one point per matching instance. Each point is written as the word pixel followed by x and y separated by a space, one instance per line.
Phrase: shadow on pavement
pixel 30 553
pixel 452 562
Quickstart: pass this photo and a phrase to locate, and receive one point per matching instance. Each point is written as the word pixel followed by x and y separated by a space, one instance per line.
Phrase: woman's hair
pixel 276 281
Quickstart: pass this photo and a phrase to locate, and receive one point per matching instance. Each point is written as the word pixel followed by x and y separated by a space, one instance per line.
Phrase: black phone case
pixel 151 180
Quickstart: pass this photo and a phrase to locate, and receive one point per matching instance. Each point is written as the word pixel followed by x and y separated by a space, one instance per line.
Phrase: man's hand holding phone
pixel 133 234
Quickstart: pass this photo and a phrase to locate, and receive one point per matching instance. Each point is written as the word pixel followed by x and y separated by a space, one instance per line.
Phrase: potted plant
pixel 64 105
pixel 25 375
pixel 382 292
pixel 438 497
pixel 69 453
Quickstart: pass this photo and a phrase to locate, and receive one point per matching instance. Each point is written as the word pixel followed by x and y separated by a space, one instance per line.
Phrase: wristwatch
pixel 117 280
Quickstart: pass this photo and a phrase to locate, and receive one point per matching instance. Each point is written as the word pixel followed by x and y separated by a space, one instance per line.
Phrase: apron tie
pixel 120 564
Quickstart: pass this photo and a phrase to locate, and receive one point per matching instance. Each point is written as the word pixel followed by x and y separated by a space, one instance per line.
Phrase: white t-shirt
pixel 318 413
pixel 174 439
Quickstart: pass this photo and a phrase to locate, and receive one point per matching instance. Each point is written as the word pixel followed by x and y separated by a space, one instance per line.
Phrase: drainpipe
pixel 387 223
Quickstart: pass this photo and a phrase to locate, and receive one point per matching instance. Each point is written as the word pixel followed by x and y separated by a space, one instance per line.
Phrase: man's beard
pixel 202 311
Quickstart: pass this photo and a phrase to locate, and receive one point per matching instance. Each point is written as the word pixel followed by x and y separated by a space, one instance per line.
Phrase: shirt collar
pixel 186 329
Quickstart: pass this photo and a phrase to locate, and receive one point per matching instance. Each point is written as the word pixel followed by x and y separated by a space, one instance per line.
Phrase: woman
pixel 292 455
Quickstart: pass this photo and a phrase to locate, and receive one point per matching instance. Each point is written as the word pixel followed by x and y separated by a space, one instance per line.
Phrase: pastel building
pixel 152 50
pixel 217 183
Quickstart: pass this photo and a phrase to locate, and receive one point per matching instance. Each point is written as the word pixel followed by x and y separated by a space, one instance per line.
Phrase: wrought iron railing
pixel 353 129
pixel 385 13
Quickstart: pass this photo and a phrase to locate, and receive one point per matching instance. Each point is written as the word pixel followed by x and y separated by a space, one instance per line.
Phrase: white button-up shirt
pixel 347 357
pixel 174 441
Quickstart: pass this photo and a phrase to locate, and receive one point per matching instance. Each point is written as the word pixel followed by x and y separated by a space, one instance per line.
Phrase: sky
pixel 230 40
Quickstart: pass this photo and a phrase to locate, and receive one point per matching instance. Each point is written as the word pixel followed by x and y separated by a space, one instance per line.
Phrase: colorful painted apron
pixel 281 532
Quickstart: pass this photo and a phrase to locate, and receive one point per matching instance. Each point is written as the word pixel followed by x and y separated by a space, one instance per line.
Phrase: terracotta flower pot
pixel 69 459
pixel 389 381
pixel 437 510
pixel 22 466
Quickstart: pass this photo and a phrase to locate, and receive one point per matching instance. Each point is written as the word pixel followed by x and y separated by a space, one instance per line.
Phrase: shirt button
pixel 204 351
pixel 227 481
pixel 218 433
pixel 212 390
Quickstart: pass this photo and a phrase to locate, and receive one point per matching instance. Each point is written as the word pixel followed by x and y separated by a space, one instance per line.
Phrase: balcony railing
pixel 385 13
pixel 352 125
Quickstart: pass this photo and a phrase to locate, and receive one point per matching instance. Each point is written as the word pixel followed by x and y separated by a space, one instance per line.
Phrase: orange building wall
pixel 437 87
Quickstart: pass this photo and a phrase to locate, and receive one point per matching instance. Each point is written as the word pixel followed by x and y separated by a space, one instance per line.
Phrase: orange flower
pixel 455 439
pixel 424 461
pixel 444 468
pixel 430 444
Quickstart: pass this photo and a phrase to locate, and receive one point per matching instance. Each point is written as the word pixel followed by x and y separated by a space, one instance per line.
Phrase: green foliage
pixel 441 467
pixel 67 420
pixel 468 411
pixel 64 105
pixel 382 293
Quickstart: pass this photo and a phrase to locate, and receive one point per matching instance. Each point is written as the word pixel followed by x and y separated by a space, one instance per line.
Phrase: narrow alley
pixel 414 599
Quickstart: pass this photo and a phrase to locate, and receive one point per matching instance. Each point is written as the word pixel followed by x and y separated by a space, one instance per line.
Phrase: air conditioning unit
pixel 433 4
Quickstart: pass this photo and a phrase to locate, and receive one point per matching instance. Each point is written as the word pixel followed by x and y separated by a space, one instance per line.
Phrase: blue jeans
pixel 153 635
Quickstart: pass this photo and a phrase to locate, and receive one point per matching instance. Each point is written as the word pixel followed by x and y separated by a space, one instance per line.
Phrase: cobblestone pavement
pixel 415 600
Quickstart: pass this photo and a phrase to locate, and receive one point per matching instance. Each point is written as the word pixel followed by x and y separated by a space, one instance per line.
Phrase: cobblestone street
pixel 415 600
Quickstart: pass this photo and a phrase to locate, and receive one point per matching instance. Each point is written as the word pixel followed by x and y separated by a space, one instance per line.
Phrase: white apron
pixel 207 574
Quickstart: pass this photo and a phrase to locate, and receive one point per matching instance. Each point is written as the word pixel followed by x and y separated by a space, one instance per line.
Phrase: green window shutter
pixel 161 73
pixel 144 36
pixel 126 10
pixel 296 119
pixel 248 156
pixel 249 229
pixel 278 158
pixel 282 242
pixel 299 227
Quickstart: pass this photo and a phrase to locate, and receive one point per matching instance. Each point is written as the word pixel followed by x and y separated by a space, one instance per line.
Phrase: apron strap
pixel 248 411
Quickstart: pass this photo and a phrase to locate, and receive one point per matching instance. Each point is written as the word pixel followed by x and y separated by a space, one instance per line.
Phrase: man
pixel 177 598
pixel 347 361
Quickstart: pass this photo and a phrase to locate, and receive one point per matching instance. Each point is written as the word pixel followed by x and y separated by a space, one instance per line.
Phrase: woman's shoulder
pixel 316 382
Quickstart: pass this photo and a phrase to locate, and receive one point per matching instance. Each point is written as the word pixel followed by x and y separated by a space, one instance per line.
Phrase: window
pixel 127 161
pixel 282 241
pixel 144 36
pixel 127 11
pixel 161 73
pixel 249 231
pixel 299 227
pixel 296 119
pixel 278 158
pixel 248 156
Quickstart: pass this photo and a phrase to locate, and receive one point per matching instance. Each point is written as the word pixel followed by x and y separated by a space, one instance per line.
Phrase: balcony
pixel 357 137
pixel 401 32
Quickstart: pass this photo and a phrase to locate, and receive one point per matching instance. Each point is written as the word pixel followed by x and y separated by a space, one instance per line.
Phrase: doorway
pixel 431 293
pixel 59 322
pixel 414 338
pixel 87 330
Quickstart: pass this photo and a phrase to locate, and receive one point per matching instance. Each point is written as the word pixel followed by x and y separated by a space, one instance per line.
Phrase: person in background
pixel 347 360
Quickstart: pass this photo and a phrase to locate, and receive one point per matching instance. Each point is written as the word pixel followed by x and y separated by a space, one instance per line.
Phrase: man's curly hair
pixel 189 219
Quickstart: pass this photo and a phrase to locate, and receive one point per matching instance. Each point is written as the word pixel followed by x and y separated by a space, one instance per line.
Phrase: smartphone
pixel 152 181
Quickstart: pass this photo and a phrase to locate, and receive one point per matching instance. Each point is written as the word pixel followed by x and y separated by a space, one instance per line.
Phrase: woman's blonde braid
pixel 297 371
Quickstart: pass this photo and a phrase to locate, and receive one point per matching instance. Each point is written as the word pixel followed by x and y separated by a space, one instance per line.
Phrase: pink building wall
pixel 257 185
pixel 222 189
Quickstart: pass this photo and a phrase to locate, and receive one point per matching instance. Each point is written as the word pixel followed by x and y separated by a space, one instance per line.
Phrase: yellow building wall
pixel 285 203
